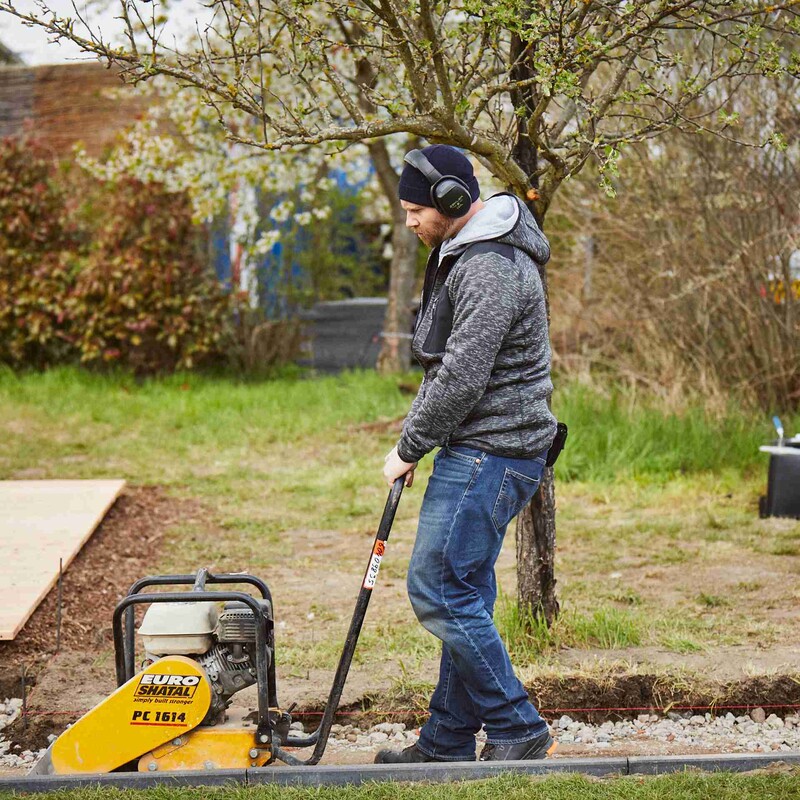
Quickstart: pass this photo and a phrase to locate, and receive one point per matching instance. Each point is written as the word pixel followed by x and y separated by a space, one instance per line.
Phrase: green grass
pixel 681 786
pixel 621 433
pixel 649 499
pixel 182 428
pixel 381 641
pixel 195 427
pixel 266 457
pixel 528 637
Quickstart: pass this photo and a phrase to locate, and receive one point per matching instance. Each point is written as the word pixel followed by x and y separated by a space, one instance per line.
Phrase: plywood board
pixel 40 523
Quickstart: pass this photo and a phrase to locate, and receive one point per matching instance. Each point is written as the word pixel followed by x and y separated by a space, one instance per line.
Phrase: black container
pixel 783 483
pixel 344 334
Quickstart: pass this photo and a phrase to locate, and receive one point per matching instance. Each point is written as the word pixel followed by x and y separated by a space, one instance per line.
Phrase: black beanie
pixel 415 187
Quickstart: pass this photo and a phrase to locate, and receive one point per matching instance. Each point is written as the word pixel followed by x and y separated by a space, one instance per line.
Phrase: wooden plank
pixel 40 523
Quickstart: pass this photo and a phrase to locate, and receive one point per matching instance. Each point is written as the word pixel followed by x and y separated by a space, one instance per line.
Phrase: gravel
pixel 10 754
pixel 392 735
pixel 726 733
pixel 756 732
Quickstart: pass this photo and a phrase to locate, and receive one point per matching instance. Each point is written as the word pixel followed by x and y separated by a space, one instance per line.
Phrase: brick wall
pixel 64 104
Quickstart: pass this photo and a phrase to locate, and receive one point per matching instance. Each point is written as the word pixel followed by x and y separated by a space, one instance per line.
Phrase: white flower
pixel 266 242
pixel 282 211
pixel 303 218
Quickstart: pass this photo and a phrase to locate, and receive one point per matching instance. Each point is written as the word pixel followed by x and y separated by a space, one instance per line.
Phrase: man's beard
pixel 436 232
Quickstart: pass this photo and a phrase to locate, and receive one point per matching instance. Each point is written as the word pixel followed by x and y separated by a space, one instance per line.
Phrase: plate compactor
pixel 174 713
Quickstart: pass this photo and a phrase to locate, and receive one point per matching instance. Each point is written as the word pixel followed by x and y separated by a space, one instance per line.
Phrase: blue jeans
pixel 469 501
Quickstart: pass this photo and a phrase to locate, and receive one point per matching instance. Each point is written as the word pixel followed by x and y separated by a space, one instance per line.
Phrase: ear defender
pixel 449 195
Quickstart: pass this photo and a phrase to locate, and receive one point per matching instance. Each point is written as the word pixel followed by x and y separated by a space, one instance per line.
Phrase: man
pixel 481 337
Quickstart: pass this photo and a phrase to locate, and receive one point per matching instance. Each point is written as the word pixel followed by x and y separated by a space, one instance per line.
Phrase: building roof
pixel 8 56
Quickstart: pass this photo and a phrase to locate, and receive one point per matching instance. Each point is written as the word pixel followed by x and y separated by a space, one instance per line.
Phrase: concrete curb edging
pixel 721 762
pixel 434 772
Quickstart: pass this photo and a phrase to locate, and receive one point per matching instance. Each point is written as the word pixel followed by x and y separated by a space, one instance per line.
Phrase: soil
pixel 128 544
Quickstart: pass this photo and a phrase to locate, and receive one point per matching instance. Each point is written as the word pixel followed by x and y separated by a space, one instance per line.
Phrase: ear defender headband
pixel 449 195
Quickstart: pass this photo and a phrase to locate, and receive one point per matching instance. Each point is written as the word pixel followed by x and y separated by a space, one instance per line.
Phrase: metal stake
pixel 24 702
pixel 58 602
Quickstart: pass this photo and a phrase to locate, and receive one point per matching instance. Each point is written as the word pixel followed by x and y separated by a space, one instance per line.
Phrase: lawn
pixel 660 545
pixel 685 786
pixel 666 573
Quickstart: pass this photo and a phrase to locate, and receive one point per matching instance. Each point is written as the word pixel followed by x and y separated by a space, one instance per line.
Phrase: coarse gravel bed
pixel 649 734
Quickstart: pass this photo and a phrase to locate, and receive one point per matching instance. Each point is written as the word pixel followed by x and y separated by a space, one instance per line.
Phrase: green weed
pixel 749 586
pixel 525 634
pixel 608 628
pixel 680 644
pixel 784 548
pixel 626 596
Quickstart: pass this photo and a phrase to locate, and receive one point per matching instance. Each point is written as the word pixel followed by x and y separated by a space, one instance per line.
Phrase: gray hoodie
pixel 482 340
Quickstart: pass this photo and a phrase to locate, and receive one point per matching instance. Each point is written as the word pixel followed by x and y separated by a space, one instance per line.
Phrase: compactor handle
pixel 320 736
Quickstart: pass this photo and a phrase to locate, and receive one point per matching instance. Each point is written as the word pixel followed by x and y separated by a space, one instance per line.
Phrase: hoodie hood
pixel 506 219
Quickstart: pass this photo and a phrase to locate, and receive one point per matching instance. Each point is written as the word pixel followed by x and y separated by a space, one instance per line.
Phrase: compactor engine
pixel 222 643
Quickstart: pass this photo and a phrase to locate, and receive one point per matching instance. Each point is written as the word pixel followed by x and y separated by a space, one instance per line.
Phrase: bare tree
pixel 533 88
pixel 698 264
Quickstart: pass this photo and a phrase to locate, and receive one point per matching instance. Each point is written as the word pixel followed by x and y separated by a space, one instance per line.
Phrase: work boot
pixel 531 750
pixel 410 755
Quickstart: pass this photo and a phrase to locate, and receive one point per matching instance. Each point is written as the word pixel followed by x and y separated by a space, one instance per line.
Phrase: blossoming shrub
pixel 37 260
pixel 103 273
pixel 316 246
pixel 144 298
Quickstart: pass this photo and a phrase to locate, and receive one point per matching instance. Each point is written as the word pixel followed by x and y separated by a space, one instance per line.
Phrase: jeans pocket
pixel 515 493
pixel 471 457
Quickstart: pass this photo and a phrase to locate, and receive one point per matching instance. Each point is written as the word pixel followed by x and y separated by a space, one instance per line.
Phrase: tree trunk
pixel 536 541
pixel 395 355
pixel 536 524
pixel 536 547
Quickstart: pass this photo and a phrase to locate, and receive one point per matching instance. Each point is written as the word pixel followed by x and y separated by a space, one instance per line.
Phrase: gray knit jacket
pixel 481 338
